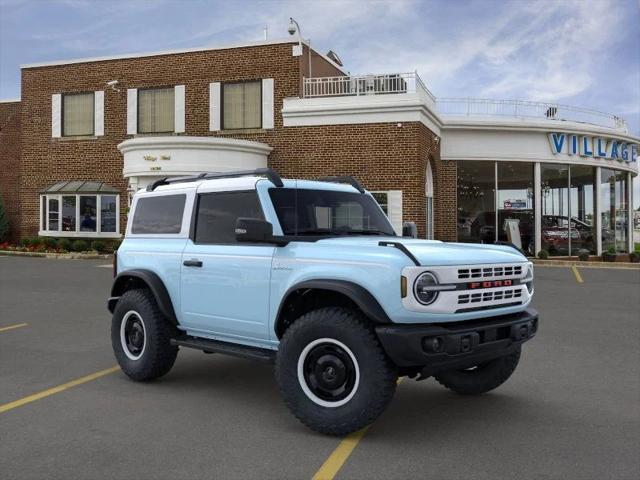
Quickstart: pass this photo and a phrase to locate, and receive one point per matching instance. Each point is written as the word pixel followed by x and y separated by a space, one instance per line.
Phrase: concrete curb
pixel 573 263
pixel 61 256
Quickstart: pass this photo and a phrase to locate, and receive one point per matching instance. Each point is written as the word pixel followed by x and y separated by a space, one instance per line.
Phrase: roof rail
pixel 344 179
pixel 262 172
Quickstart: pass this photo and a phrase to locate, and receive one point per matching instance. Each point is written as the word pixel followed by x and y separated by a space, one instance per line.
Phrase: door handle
pixel 192 263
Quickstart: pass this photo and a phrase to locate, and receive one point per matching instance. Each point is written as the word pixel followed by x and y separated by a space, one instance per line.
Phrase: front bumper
pixel 438 347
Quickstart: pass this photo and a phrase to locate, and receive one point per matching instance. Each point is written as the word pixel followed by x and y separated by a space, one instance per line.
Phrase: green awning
pixel 80 187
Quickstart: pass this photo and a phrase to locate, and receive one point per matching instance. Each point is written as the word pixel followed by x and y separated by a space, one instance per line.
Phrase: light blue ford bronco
pixel 310 275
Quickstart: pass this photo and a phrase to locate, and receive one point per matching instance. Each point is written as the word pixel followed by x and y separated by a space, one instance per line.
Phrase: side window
pixel 157 215
pixel 218 212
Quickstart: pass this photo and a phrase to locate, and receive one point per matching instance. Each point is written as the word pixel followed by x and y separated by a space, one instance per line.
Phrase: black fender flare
pixel 359 295
pixel 152 281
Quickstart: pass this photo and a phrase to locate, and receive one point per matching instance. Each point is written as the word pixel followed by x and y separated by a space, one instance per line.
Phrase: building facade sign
pixel 590 146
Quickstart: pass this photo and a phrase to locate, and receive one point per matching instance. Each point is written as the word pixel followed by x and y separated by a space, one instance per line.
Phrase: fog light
pixel 433 344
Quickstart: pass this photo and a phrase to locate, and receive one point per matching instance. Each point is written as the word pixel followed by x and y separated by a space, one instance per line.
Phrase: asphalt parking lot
pixel 571 410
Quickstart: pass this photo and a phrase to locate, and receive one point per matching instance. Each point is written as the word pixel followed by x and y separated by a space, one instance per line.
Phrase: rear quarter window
pixel 159 215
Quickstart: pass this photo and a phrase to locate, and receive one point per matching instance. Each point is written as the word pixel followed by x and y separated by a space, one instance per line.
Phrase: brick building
pixel 87 133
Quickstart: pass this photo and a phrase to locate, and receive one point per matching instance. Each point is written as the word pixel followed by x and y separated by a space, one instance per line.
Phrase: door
pixel 225 285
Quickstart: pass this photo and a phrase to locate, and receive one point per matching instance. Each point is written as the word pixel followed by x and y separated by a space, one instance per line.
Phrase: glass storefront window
pixel 516 203
pixel 582 206
pixel 476 202
pixel 555 208
pixel 614 209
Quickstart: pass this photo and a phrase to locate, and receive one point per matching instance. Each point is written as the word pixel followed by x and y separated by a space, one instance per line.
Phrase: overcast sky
pixel 578 52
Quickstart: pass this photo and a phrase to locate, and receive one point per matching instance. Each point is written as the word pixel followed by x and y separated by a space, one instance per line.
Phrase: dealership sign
pixel 589 146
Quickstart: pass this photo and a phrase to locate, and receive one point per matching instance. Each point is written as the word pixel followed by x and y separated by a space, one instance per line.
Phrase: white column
pixel 537 209
pixel 598 212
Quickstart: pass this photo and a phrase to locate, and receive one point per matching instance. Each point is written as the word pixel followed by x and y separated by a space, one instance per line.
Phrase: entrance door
pixel 225 285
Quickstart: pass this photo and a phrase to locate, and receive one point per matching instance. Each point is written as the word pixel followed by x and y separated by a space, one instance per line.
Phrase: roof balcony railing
pixel 371 84
pixel 479 107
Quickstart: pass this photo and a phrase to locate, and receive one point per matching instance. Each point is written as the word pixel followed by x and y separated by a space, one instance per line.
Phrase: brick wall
pixel 445 187
pixel 47 160
pixel 10 162
pixel 382 156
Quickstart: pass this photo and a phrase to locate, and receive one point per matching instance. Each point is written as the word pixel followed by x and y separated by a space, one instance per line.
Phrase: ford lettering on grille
pixel 490 284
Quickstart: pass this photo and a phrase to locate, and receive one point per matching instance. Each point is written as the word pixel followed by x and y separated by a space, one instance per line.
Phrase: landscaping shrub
pixel 543 254
pixel 583 255
pixel 50 243
pixel 115 245
pixel 98 245
pixel 65 244
pixel 25 242
pixel 4 223
pixel 80 246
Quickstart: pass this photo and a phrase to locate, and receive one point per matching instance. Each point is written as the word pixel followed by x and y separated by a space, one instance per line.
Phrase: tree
pixel 4 223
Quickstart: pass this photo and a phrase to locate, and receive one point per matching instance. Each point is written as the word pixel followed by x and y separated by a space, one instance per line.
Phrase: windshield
pixel 328 212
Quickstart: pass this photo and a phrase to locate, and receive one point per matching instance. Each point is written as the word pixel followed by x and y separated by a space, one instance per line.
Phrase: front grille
pixel 489 272
pixel 495 295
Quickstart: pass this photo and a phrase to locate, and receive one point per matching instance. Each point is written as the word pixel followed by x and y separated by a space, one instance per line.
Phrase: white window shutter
pixel 394 209
pixel 56 115
pixel 267 103
pixel 132 111
pixel 214 106
pixel 98 121
pixel 179 96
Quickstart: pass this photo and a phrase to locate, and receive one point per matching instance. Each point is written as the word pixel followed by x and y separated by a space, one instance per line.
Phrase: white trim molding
pixel 396 108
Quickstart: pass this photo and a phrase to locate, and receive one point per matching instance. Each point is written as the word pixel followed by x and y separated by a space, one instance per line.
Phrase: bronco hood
pixel 435 252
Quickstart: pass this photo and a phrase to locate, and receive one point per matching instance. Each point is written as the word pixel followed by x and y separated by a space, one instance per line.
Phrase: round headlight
pixel 423 288
pixel 529 280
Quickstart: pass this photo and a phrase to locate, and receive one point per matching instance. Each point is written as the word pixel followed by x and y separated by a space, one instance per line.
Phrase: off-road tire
pixel 377 376
pixel 158 355
pixel 482 378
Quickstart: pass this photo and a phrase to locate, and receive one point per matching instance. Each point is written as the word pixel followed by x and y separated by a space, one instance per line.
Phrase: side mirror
pixel 410 229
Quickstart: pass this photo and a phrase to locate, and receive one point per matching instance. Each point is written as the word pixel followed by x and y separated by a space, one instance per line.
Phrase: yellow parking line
pixel 11 327
pixel 336 460
pixel 577 274
pixel 60 388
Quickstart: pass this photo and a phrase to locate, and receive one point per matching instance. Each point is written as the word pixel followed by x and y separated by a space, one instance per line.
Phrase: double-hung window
pixel 242 105
pixel 78 114
pixel 156 110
